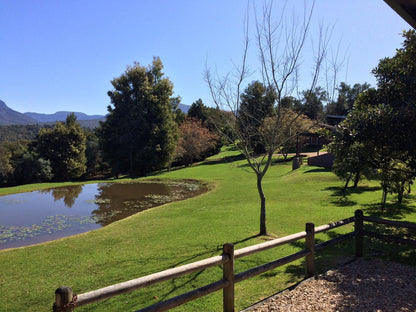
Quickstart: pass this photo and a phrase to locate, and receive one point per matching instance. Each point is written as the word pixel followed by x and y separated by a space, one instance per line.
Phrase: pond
pixel 40 216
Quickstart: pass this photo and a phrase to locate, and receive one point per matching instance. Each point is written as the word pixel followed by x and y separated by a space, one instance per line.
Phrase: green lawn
pixel 187 231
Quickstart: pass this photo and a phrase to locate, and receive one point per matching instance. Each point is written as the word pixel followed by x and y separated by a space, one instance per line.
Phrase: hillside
pixel 11 117
pixel 61 116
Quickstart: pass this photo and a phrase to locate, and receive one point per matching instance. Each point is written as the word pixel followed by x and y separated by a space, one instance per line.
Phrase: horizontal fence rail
pixel 66 300
pixel 121 288
pixel 390 238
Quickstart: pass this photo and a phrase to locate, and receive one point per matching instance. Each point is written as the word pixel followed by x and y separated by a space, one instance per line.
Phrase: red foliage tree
pixel 195 143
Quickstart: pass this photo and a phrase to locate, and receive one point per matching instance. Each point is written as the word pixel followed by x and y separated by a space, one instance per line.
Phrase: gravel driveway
pixel 363 285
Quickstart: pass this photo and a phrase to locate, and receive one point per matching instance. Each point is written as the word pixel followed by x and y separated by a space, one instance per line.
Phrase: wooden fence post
pixel 358 230
pixel 64 300
pixel 310 245
pixel 228 275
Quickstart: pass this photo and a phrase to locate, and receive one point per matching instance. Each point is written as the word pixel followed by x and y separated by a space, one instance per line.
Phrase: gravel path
pixel 363 285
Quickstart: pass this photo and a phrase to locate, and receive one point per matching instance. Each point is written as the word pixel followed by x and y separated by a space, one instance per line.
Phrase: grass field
pixel 187 231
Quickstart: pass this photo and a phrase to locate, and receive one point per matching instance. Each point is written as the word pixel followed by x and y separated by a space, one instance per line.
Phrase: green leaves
pixel 64 146
pixel 378 135
pixel 140 133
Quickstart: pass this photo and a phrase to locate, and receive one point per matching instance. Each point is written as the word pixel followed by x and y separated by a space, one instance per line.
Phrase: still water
pixel 39 216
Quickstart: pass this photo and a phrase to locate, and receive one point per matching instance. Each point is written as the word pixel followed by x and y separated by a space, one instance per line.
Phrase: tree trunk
pixel 400 193
pixel 347 182
pixel 131 160
pixel 383 199
pixel 356 179
pixel 263 230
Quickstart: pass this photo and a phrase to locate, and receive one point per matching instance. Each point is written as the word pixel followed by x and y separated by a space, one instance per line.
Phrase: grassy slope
pixel 183 232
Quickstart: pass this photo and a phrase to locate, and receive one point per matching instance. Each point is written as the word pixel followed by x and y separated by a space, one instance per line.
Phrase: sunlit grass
pixel 187 231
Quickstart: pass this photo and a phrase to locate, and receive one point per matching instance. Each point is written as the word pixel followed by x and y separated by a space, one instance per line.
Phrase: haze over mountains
pixel 9 116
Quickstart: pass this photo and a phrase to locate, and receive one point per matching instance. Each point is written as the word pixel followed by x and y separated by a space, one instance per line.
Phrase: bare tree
pixel 280 44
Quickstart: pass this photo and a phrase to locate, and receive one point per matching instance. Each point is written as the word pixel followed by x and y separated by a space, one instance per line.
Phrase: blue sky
pixel 61 55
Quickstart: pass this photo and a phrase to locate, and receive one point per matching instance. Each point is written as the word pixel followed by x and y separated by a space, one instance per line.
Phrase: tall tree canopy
pixel 198 111
pixel 64 146
pixel 257 103
pixel 346 98
pixel 140 132
pixel 382 125
pixel 312 103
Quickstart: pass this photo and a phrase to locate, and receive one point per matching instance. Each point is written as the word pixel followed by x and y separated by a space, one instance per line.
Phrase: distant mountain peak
pixel 61 116
pixel 11 117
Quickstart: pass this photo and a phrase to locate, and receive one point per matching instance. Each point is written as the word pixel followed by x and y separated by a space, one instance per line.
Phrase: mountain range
pixel 9 116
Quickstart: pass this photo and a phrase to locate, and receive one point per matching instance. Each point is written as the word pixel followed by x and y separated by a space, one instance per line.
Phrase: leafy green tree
pixel 29 168
pixel 217 121
pixel 64 146
pixel 13 133
pixel 6 167
pixel 20 164
pixel 93 154
pixel 198 111
pixel 351 155
pixel 257 103
pixel 292 103
pixel 346 98
pixel 396 82
pixel 396 178
pixel 312 103
pixel 396 90
pixel 140 132
pixel 368 143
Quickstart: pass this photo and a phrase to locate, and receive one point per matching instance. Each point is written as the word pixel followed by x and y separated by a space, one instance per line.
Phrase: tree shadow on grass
pixel 227 159
pixel 189 279
pixel 325 259
pixel 341 196
pixel 317 170
pixel 280 160
pixel 339 191
pixel 394 211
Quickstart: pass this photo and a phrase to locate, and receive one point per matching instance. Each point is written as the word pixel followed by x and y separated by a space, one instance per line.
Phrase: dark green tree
pixel 346 98
pixel 312 103
pixel 292 103
pixel 353 146
pixel 64 146
pixel 396 82
pixel 93 154
pixel 140 132
pixel 6 167
pixel 198 111
pixel 216 120
pixel 257 103
pixel 369 143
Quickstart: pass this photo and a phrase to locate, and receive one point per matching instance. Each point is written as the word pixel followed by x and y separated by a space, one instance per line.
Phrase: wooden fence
pixel 66 300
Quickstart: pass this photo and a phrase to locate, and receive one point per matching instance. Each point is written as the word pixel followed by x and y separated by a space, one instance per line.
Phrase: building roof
pixel 406 9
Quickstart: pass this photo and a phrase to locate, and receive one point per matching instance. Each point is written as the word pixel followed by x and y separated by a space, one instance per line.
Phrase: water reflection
pixel 118 201
pixel 68 193
pixel 34 217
